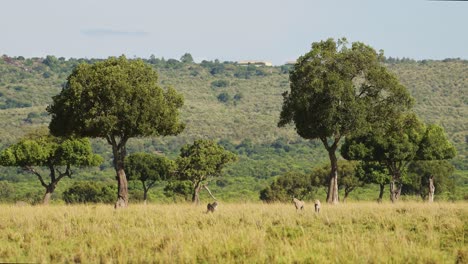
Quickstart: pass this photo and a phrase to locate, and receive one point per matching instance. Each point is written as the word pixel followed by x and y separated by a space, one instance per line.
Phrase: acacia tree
pixel 149 169
pixel 58 155
pixel 348 182
pixel 396 144
pixel 287 186
pixel 373 172
pixel 336 91
pixel 199 162
pixel 115 99
pixel 428 174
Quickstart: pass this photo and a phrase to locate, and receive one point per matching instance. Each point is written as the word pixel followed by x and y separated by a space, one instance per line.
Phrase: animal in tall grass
pixel 211 207
pixel 298 204
pixel 317 206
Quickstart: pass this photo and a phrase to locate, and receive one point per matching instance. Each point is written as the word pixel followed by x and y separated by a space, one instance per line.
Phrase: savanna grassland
pixel 406 232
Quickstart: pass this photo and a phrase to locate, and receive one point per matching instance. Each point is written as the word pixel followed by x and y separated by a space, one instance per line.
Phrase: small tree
pixel 287 186
pixel 396 144
pixel 201 161
pixel 178 190
pixel 88 192
pixel 337 91
pixel 115 99
pixel 348 177
pixel 373 172
pixel 149 169
pixel 429 174
pixel 58 155
pixel 186 58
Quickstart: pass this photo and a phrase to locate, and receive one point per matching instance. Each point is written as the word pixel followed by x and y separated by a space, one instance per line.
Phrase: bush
pixel 89 192
pixel 219 84
pixel 224 97
pixel 287 186
pixel 179 190
pixel 7 192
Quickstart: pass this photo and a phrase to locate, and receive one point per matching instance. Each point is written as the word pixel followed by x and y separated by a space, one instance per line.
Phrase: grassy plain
pixel 407 232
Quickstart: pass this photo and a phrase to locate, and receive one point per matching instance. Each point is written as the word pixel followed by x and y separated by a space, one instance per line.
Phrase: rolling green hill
pixel 238 105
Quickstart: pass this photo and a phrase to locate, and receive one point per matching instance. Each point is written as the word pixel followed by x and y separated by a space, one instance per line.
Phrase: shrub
pixel 224 97
pixel 89 192
pixel 219 84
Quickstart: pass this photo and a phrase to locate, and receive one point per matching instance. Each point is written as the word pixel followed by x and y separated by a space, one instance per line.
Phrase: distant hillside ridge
pixel 225 100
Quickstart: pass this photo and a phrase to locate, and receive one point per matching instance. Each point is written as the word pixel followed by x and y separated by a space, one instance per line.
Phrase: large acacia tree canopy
pixel 405 138
pixel 336 90
pixel 115 97
pixel 50 151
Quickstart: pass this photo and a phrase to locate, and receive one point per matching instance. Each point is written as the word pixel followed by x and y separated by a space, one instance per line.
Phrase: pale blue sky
pixel 272 30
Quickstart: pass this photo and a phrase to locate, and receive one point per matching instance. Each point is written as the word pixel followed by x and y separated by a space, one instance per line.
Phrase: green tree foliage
pixel 148 169
pixel 179 190
pixel 200 162
pixel 428 178
pixel 219 84
pixel 400 141
pixel 287 186
pixel 186 58
pixel 88 192
pixel 337 90
pixel 116 99
pixel 224 97
pixel 7 192
pixel 58 155
pixel 348 181
pixel 373 173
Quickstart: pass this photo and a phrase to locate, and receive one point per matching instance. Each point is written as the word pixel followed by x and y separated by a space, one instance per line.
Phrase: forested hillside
pixel 237 105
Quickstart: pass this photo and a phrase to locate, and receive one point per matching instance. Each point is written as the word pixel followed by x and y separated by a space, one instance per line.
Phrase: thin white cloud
pixel 112 33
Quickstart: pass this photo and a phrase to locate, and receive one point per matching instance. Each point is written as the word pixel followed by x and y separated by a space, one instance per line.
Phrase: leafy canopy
pixel 50 151
pixel 115 98
pixel 202 159
pixel 336 90
pixel 148 167
pixel 403 139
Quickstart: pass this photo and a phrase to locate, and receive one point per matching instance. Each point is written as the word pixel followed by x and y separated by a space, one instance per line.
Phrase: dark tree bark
pixel 54 179
pixel 332 195
pixel 196 193
pixel 119 152
pixel 48 194
pixel 381 193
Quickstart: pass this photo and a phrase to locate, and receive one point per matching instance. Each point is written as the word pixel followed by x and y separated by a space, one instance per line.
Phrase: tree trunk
pixel 395 191
pixel 122 195
pixel 382 189
pixel 332 196
pixel 196 193
pixel 431 188
pixel 345 196
pixel 48 194
pixel 145 192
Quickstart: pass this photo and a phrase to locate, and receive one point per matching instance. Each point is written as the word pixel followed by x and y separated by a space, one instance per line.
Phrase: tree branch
pixel 206 188
pixel 33 171
pixel 67 172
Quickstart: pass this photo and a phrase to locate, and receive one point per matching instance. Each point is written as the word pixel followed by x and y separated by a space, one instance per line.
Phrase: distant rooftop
pixel 255 63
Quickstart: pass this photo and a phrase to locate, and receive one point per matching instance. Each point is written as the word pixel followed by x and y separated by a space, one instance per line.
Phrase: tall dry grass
pixel 246 233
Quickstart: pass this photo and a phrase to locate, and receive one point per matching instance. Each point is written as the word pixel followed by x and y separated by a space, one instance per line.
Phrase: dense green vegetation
pixel 244 124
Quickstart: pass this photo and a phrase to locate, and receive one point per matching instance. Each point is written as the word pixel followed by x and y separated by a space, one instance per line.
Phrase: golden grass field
pixel 407 232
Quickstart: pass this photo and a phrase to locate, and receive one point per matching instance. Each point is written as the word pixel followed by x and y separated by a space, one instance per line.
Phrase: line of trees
pixel 338 92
